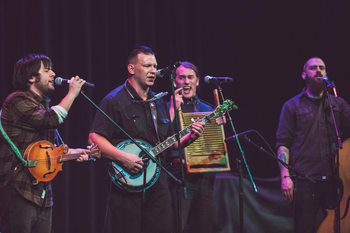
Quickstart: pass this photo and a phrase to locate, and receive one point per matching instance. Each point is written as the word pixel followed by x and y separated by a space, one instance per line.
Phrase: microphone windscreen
pixel 58 81
pixel 207 79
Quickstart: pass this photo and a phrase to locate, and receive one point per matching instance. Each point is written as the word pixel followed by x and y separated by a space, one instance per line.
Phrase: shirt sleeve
pixel 61 113
pixel 101 125
pixel 345 113
pixel 286 128
pixel 28 114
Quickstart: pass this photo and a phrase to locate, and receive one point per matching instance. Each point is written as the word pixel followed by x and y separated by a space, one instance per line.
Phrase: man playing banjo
pixel 148 121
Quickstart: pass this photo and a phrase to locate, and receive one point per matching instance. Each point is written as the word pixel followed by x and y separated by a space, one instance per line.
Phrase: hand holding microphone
pixel 60 81
pixel 75 85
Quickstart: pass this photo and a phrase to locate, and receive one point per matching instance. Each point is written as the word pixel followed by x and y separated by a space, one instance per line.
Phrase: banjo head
pixel 134 182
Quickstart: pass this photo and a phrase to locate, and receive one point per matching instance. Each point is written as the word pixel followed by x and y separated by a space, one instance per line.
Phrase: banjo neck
pixel 171 140
pixel 136 182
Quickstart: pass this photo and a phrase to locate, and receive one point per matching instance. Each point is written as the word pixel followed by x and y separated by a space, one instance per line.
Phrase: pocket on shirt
pixel 337 114
pixel 134 125
pixel 305 117
pixel 163 128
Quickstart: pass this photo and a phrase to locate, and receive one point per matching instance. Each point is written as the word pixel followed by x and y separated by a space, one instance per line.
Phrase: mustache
pixel 318 74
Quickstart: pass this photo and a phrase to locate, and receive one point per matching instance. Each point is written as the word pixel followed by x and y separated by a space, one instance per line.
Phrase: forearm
pixel 185 141
pixel 129 161
pixel 172 114
pixel 108 150
pixel 67 101
pixel 283 154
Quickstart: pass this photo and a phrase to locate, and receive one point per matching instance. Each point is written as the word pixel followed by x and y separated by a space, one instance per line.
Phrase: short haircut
pixel 304 67
pixel 188 65
pixel 138 49
pixel 28 67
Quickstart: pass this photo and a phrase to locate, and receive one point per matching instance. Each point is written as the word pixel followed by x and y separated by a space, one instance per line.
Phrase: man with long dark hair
pixel 26 118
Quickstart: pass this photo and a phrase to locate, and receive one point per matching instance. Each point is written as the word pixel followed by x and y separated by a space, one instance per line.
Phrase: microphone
pixel 238 135
pixel 216 80
pixel 326 81
pixel 168 69
pixel 61 81
pixel 156 97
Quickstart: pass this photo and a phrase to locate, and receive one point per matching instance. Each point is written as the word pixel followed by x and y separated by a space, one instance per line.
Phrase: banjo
pixel 135 182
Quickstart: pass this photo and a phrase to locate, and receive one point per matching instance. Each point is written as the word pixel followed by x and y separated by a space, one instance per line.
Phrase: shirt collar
pixel 193 100
pixel 304 93
pixel 38 98
pixel 134 94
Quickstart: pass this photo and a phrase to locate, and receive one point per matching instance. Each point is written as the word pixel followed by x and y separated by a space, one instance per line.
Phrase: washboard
pixel 209 152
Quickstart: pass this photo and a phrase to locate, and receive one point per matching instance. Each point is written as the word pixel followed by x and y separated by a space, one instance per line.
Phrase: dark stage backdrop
pixel 261 44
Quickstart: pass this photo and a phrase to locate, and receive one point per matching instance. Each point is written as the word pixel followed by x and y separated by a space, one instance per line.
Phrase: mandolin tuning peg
pixel 91 146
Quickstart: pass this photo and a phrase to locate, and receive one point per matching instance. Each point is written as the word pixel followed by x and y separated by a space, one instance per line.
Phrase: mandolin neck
pixel 68 157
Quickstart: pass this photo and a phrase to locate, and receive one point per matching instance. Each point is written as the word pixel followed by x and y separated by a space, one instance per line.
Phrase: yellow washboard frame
pixel 209 152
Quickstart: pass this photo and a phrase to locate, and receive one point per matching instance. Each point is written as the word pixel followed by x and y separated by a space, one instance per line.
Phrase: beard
pixel 315 86
pixel 43 88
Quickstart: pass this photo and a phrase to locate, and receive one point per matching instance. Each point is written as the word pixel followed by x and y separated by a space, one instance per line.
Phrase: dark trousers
pixel 128 214
pixel 196 210
pixel 309 199
pixel 19 215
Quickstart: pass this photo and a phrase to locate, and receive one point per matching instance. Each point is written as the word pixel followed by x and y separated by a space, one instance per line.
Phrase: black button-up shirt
pixel 306 129
pixel 132 116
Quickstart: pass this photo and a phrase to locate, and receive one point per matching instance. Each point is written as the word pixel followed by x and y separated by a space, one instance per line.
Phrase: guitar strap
pixel 30 163
pixel 153 107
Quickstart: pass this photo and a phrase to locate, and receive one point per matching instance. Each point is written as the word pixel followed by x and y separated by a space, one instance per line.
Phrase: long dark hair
pixel 28 67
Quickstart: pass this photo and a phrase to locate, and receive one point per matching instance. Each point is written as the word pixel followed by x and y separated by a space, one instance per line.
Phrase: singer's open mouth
pixel 186 89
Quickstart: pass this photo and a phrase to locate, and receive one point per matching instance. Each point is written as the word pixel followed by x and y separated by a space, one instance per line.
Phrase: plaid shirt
pixel 25 118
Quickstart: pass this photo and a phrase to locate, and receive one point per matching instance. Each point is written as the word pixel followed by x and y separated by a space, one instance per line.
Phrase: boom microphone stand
pixel 183 182
pixel 298 173
pixel 338 145
pixel 238 164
